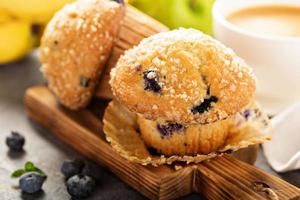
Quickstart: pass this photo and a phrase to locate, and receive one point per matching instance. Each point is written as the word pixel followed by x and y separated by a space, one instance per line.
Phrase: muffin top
pixel 182 76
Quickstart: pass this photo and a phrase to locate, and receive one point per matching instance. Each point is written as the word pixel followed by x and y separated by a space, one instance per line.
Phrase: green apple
pixel 192 13
pixel 179 13
pixel 158 9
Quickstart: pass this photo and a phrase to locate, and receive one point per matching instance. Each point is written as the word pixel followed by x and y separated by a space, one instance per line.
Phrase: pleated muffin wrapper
pixel 122 132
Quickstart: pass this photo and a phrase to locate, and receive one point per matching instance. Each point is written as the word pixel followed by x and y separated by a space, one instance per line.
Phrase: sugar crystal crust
pixel 189 64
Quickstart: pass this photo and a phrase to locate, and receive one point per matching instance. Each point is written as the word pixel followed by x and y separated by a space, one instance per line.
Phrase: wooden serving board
pixel 220 178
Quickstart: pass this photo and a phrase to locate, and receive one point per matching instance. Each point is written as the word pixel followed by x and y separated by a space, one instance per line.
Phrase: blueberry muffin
pixel 182 76
pixel 75 47
pixel 177 139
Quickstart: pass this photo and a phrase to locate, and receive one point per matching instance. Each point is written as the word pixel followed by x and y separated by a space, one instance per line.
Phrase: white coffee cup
pixel 275 59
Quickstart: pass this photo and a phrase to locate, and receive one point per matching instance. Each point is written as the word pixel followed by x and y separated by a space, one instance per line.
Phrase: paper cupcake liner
pixel 184 139
pixel 121 130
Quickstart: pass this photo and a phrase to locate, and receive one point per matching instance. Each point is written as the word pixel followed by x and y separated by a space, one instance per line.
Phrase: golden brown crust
pixel 190 68
pixel 188 140
pixel 75 47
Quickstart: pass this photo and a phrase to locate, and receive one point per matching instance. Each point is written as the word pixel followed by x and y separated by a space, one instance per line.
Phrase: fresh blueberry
pixel 15 141
pixel 72 167
pixel 151 81
pixel 167 130
pixel 80 186
pixel 31 182
pixel 205 105
pixel 93 170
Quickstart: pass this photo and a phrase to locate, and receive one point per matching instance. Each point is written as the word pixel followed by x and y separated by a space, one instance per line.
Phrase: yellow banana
pixel 21 25
pixel 15 38
pixel 36 11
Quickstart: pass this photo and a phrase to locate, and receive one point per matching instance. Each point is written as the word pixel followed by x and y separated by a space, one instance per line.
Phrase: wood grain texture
pixel 220 178
pixel 233 176
pixel 136 26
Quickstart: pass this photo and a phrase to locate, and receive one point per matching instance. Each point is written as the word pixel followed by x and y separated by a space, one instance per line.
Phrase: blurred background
pixel 22 22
